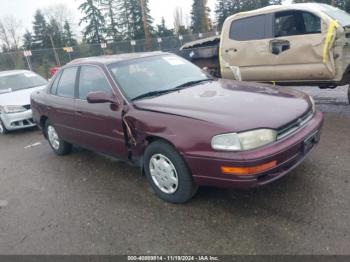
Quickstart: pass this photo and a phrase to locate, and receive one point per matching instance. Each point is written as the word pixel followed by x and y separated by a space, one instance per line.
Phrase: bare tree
pixel 4 39
pixel 60 13
pixel 10 32
pixel 178 19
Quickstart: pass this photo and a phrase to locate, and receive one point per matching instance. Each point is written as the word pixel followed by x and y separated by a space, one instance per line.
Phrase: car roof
pixel 285 7
pixel 109 59
pixel 13 72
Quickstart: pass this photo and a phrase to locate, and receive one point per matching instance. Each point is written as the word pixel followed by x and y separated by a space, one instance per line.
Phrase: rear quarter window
pixel 54 85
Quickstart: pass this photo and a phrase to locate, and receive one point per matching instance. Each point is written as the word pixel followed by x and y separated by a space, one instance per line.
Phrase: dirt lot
pixel 86 203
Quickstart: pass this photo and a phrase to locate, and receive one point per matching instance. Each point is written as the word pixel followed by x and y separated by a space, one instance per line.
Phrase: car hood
pixel 18 98
pixel 235 106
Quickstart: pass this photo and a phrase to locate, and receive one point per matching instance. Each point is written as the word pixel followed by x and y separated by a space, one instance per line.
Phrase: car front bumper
pixel 15 121
pixel 288 153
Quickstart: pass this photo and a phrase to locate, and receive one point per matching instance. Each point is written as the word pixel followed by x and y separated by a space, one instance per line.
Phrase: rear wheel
pixel 58 145
pixel 3 129
pixel 168 174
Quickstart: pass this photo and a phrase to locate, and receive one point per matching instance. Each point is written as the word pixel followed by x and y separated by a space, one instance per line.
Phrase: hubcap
pixel 53 137
pixel 164 174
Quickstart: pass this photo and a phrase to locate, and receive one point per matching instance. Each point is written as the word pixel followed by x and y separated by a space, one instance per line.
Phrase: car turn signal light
pixel 245 171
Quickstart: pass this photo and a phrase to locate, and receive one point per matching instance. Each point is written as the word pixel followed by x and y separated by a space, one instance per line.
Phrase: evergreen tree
pixel 94 31
pixel 41 38
pixel 68 36
pixel 110 7
pixel 226 8
pixel 162 29
pixel 131 20
pixel 200 16
pixel 27 40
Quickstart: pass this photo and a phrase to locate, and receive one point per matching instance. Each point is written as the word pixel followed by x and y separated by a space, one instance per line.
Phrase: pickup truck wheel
pixel 168 174
pixel 58 145
pixel 3 129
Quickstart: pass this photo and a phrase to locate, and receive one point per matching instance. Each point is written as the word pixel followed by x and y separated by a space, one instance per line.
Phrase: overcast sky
pixel 24 9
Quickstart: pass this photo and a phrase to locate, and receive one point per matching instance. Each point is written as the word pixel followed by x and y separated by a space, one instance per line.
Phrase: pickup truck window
pixel 296 23
pixel 251 28
pixel 66 85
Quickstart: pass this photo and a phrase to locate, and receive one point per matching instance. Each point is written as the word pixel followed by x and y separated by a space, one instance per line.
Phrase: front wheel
pixel 168 174
pixel 3 129
pixel 58 145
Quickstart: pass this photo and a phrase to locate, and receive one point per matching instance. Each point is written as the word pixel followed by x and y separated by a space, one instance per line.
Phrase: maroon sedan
pixel 183 128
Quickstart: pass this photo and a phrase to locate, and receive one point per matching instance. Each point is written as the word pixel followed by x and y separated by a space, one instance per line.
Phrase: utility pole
pixel 54 51
pixel 145 26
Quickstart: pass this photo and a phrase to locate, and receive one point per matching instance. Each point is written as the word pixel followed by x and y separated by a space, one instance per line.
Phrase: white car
pixel 16 87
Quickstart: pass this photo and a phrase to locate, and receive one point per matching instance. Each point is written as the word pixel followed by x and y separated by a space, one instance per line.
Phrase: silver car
pixel 15 89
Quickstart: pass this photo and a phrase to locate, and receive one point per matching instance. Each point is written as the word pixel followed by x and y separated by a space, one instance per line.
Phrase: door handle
pixel 278 46
pixel 231 49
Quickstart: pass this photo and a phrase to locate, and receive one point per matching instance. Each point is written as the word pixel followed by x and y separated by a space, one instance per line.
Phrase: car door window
pixel 291 23
pixel 251 28
pixel 92 79
pixel 312 23
pixel 66 85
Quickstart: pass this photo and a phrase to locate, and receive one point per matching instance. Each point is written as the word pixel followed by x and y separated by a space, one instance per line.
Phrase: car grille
pixel 295 125
pixel 27 107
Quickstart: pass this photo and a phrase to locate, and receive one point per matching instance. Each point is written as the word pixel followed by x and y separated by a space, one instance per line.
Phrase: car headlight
pixel 313 104
pixel 12 109
pixel 244 141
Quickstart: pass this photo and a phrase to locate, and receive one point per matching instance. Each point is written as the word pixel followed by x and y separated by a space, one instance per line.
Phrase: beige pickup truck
pixel 297 44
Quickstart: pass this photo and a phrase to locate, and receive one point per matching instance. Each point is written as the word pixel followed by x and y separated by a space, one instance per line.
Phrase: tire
pixel 349 94
pixel 159 155
pixel 3 129
pixel 58 145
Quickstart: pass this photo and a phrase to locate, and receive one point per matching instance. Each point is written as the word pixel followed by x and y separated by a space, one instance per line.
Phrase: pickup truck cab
pixel 297 44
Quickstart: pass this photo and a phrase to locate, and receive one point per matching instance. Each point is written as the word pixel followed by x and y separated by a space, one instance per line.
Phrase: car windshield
pixel 341 16
pixel 155 74
pixel 15 82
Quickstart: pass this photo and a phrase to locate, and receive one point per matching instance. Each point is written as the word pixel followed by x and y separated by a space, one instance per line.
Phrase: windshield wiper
pixel 151 94
pixel 192 83
pixel 162 92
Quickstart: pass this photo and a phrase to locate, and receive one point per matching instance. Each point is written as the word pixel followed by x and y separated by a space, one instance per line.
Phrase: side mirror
pixel 100 98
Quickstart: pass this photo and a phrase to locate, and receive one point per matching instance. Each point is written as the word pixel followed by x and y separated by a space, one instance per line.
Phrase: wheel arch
pixel 42 123
pixel 149 139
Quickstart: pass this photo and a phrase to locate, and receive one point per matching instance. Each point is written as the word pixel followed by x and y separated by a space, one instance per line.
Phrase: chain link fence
pixel 41 60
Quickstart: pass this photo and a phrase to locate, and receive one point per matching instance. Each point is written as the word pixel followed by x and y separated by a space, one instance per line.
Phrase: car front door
pixel 99 125
pixel 284 47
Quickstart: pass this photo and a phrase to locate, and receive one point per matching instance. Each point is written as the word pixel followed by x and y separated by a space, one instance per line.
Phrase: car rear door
pixel 61 111
pixel 99 125
pixel 286 47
